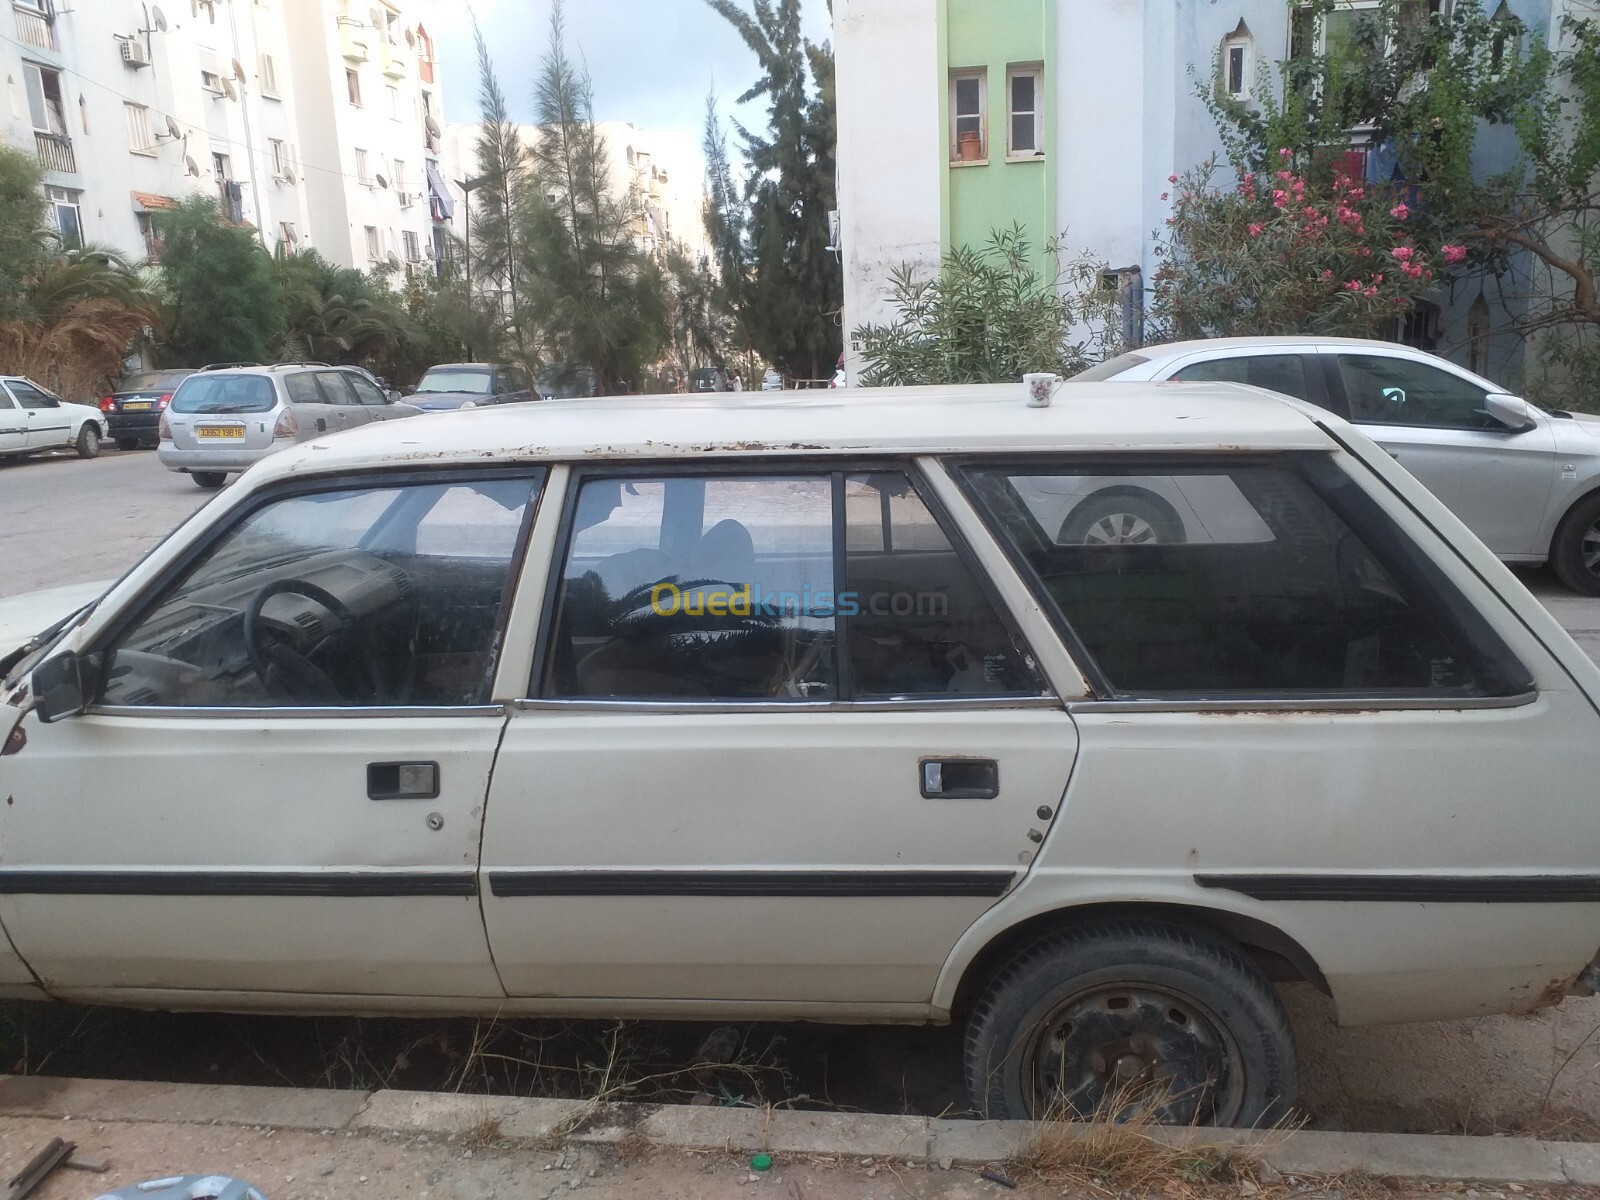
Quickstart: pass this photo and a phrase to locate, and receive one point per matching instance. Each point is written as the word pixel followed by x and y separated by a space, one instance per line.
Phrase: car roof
pixel 458 366
pixel 986 418
pixel 1166 349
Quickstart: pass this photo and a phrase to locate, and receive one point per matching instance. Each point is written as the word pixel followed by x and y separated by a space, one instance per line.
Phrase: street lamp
pixel 467 186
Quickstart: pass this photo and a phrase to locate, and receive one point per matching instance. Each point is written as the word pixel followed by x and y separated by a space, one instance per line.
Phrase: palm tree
pixel 81 311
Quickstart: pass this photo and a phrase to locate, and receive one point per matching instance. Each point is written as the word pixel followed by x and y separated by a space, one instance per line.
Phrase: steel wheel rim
pixel 1122 1050
pixel 1120 529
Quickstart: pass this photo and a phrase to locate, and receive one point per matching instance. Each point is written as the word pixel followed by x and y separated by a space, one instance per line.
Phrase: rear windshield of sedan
pixel 456 380
pixel 149 380
pixel 1111 368
pixel 224 394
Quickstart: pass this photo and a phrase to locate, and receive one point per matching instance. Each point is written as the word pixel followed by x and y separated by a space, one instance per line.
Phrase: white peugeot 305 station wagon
pixel 831 708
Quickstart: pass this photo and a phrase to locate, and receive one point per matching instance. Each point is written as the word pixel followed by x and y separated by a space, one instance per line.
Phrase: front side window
pixel 1383 390
pixel 1284 373
pixel 31 397
pixel 1263 578
pixel 969 116
pixel 389 596
pixel 735 587
pixel 366 391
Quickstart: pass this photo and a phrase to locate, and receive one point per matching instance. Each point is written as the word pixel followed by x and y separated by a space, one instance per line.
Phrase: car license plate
pixel 219 433
pixel 135 405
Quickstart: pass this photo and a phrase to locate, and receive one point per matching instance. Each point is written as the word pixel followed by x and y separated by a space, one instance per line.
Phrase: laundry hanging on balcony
pixel 440 204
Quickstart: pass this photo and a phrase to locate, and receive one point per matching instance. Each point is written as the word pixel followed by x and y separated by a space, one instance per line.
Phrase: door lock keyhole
pixel 435 822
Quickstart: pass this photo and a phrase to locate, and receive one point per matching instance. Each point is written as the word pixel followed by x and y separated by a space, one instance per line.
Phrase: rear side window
pixel 1284 373
pixel 210 393
pixel 810 586
pixel 1111 368
pixel 1270 577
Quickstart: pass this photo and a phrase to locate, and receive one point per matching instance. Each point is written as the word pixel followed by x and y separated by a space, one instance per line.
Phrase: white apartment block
pixel 310 120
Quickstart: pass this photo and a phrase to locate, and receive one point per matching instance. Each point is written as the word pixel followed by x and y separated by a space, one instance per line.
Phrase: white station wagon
pixel 734 707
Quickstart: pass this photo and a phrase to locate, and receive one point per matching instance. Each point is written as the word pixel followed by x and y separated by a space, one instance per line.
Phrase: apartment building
pixel 131 105
pixel 958 117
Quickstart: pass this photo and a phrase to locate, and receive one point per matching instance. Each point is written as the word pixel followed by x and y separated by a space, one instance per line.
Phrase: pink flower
pixel 1403 253
pixel 1399 212
pixel 1286 175
pixel 1411 270
pixel 1353 285
pixel 1326 276
pixel 1249 176
pixel 1283 152
pixel 1255 230
pixel 1454 254
pixel 1378 278
pixel 1279 198
pixel 1172 179
pixel 1163 195
pixel 1371 291
pixel 1357 193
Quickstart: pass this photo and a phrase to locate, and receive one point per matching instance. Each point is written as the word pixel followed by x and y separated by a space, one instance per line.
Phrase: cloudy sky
pixel 652 61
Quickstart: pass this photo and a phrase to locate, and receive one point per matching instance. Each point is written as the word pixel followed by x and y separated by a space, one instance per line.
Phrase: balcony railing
pixel 425 69
pixel 34 29
pixel 55 152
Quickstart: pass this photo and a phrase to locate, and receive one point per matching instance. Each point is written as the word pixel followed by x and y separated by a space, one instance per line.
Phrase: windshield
pixel 454 379
pixel 151 380
pixel 224 394
pixel 1111 368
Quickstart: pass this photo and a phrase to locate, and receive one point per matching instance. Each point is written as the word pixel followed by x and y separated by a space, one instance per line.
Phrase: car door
pixel 49 424
pixel 1432 420
pixel 315 407
pixel 344 405
pixel 278 790
pixel 13 423
pixel 375 406
pixel 783 746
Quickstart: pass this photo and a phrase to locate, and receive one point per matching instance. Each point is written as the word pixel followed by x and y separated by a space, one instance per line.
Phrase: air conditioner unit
pixel 406 199
pixel 134 54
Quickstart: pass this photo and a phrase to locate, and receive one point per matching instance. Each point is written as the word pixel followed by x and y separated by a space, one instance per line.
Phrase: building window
pixel 394 101
pixel 1478 337
pixel 399 179
pixel 269 76
pixel 374 249
pixel 413 246
pixel 969 116
pixel 140 140
pixel 211 81
pixel 1025 94
pixel 1505 46
pixel 1237 61
pixel 45 106
pixel 363 170
pixel 68 215
pixel 280 157
pixel 221 169
pixel 147 234
pixel 352 84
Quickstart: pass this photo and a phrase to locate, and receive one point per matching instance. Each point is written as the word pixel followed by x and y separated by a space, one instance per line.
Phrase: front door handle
pixel 402 780
pixel 959 778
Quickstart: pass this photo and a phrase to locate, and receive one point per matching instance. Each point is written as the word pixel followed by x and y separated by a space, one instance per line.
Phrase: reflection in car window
pixel 208 393
pixel 1111 368
pixel 1263 586
pixel 709 588
pixel 1284 373
pixel 31 397
pixel 918 622
pixel 385 596
pixel 1395 391
pixel 335 387
pixel 302 388
pixel 455 379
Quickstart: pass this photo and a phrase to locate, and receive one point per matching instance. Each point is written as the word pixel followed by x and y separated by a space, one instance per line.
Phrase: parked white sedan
pixel 33 420
pixel 1524 480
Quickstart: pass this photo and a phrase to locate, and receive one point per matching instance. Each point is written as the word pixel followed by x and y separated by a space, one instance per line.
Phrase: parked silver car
pixel 227 419
pixel 1524 480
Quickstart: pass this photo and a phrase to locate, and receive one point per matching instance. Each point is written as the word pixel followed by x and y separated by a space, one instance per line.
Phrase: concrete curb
pixel 839 1135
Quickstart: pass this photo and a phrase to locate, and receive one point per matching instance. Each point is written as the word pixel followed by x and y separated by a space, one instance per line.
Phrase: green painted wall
pixel 978 198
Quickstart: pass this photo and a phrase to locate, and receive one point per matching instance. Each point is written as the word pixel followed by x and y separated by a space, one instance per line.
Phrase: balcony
pixel 425 69
pixel 394 61
pixel 35 28
pixel 353 37
pixel 55 152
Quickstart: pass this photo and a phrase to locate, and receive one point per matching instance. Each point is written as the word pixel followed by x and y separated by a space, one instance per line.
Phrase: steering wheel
pixel 277 661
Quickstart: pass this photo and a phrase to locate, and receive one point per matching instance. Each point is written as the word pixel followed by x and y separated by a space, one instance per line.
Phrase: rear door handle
pixel 959 778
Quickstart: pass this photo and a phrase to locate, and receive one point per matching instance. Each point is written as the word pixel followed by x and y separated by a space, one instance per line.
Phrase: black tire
pixel 1575 550
pixel 88 443
pixel 1122 516
pixel 210 480
pixel 1131 1003
pixel 127 443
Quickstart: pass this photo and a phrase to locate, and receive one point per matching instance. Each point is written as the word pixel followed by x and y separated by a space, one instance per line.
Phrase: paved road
pixel 67 520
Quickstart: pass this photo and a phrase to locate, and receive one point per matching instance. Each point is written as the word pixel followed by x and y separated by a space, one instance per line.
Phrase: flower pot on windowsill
pixel 970 146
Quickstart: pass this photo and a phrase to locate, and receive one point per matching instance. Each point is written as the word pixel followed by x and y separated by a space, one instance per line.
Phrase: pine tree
pixel 793 285
pixel 501 191
pixel 596 297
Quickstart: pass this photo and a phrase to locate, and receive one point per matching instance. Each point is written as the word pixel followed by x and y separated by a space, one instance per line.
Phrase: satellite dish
pixel 227 90
pixel 238 71
pixel 382 182
pixel 190 166
pixel 394 259
pixel 159 19
pixel 289 176
pixel 172 129
pixel 411 38
pixel 432 126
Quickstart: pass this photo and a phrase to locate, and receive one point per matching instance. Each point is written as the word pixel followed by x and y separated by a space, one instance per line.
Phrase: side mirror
pixel 408 391
pixel 1511 412
pixel 62 686
pixel 393 395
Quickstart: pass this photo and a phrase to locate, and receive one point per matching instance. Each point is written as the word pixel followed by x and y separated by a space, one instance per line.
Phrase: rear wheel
pixel 210 480
pixel 88 443
pixel 127 443
pixel 1575 550
pixel 1122 1016
pixel 1121 517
